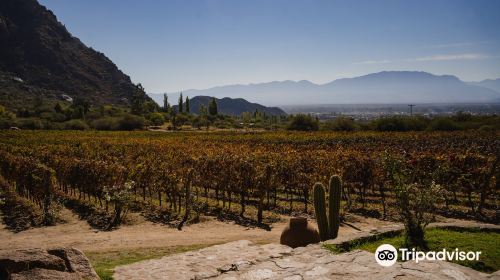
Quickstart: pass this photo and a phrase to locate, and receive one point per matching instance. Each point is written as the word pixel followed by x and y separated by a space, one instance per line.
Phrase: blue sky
pixel 183 44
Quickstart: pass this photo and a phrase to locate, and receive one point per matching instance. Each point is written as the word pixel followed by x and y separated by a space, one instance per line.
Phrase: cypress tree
pixel 180 103
pixel 166 106
pixel 212 107
pixel 187 104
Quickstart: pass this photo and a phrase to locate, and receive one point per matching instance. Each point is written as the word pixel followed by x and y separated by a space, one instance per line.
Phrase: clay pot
pixel 299 233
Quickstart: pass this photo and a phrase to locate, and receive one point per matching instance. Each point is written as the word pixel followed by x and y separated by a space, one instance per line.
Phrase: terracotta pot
pixel 299 233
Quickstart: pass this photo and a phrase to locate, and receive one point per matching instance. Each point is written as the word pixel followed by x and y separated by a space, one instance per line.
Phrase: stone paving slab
pixel 246 260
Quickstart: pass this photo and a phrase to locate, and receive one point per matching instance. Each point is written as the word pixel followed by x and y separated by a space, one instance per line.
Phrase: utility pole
pixel 411 108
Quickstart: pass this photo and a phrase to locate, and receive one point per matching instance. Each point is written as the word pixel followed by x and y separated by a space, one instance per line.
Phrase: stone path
pixel 246 260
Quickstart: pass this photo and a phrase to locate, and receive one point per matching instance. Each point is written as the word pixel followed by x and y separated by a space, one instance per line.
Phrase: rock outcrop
pixel 60 263
pixel 246 260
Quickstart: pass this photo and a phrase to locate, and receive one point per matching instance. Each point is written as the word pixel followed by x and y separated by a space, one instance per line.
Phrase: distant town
pixel 375 111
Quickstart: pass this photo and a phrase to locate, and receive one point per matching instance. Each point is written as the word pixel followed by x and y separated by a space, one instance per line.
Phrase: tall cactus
pixel 328 227
pixel 320 210
pixel 334 207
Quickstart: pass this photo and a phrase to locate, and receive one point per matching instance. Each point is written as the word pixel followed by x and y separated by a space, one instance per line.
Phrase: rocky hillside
pixel 230 106
pixel 38 56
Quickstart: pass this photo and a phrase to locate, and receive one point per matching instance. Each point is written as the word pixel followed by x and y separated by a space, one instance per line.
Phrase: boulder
pixel 21 260
pixel 60 263
pixel 44 274
pixel 76 262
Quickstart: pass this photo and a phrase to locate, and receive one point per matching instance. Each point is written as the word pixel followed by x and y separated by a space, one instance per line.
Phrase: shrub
pixel 31 124
pixel 303 123
pixel 108 123
pixel 126 122
pixel 6 123
pixel 156 118
pixel 75 125
pixel 53 116
pixel 415 200
pixel 341 124
pixel 443 124
pixel 131 122
pixel 462 117
pixel 400 124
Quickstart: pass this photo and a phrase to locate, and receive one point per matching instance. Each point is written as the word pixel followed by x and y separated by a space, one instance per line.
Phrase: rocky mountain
pixel 38 56
pixel 384 87
pixel 230 106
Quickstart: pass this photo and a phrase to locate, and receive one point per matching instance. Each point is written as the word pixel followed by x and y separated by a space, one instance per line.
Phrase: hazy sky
pixel 183 44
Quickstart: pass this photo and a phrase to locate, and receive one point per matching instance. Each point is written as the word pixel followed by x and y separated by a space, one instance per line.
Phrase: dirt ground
pixel 77 233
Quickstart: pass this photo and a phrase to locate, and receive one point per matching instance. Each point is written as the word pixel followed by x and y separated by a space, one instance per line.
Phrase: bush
pixel 126 122
pixel 303 123
pixel 75 125
pixel 400 124
pixel 462 117
pixel 156 118
pixel 131 122
pixel 443 124
pixel 108 123
pixel 6 123
pixel 341 124
pixel 416 201
pixel 31 124
pixel 181 119
pixel 53 117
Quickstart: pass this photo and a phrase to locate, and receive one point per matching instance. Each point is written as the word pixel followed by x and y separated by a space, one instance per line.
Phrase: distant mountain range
pixel 230 106
pixel 39 57
pixel 390 87
pixel 491 84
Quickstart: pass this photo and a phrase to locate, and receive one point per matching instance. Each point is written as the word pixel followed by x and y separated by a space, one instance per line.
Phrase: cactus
pixel 334 206
pixel 328 227
pixel 320 210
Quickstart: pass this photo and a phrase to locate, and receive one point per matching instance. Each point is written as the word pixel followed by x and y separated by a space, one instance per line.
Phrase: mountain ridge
pixel 231 106
pixel 380 87
pixel 493 84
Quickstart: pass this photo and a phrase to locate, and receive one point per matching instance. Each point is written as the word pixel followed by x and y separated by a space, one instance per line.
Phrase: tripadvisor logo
pixel 387 255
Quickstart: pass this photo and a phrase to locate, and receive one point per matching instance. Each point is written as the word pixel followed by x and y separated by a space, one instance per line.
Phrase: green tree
pixel 81 107
pixel 203 110
pixel 166 105
pixel 180 104
pixel 156 118
pixel 149 107
pixel 138 99
pixel 212 107
pixel 187 104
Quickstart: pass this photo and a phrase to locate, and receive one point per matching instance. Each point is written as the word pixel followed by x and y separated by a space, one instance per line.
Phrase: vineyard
pixel 250 178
